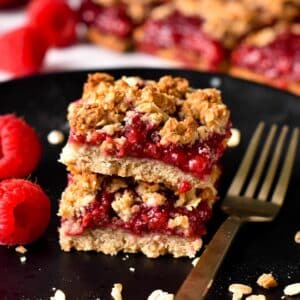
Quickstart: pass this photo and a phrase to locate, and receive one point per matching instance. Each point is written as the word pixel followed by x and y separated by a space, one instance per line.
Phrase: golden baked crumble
pixel 123 204
pixel 82 190
pixel 182 115
pixel 128 194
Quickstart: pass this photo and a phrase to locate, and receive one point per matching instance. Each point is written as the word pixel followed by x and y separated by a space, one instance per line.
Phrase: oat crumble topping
pixel 181 222
pixel 123 204
pixel 128 194
pixel 179 112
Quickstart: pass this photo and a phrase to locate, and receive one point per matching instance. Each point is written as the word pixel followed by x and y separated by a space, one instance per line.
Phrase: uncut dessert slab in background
pixel 201 34
pixel 143 158
pixel 271 56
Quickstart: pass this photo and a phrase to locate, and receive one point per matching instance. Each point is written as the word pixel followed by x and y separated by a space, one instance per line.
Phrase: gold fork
pixel 242 208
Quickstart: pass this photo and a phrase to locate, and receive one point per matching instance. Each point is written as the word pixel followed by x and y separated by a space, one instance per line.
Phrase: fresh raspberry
pixel 24 212
pixel 22 50
pixel 20 147
pixel 55 19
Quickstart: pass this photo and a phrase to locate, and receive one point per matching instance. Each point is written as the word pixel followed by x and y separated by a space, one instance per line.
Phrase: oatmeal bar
pixel 143 158
pixel 111 214
pixel 161 131
pixel 270 56
pixel 110 23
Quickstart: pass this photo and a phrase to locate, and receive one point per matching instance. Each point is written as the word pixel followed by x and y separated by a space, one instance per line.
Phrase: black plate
pixel 43 100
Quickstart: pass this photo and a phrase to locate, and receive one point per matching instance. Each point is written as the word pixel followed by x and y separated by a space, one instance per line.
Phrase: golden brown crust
pixel 108 40
pixel 89 158
pixel 112 241
pixel 293 87
pixel 106 101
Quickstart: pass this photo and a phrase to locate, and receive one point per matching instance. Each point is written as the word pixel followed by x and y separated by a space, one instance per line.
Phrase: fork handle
pixel 200 279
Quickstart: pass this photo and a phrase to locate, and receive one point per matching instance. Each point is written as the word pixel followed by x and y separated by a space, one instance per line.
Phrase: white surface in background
pixel 80 56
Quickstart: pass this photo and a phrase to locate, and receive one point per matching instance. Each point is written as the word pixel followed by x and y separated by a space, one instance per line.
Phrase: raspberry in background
pixel 22 50
pixel 24 212
pixel 20 147
pixel 11 3
pixel 56 20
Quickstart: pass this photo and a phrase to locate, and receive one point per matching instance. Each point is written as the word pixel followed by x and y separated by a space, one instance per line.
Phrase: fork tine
pixel 261 163
pixel 266 186
pixel 243 170
pixel 281 187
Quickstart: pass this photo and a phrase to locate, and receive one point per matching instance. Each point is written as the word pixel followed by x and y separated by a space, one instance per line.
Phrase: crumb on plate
pixel 292 289
pixel 235 138
pixel 23 259
pixel 267 281
pixel 195 261
pixel 21 249
pixel 116 291
pixel 59 295
pixel 238 288
pixel 297 237
pixel 160 295
pixel 55 137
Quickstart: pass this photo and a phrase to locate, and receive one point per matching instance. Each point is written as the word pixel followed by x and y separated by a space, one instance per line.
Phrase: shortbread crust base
pixel 89 158
pixel 111 241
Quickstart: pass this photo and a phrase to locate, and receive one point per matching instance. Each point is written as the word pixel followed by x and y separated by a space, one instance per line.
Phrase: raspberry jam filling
pixel 99 214
pixel 142 141
pixel 279 60
pixel 185 34
pixel 108 20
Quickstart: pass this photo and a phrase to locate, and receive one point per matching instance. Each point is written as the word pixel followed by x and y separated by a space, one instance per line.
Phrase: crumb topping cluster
pixel 128 195
pixel 180 114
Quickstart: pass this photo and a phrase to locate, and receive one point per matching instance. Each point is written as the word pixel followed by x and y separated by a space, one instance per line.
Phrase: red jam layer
pixel 109 20
pixel 279 60
pixel 99 214
pixel 142 141
pixel 185 34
